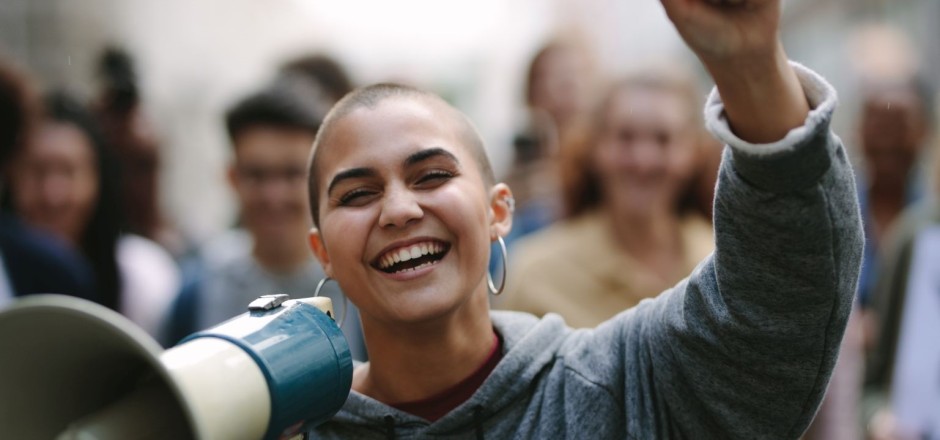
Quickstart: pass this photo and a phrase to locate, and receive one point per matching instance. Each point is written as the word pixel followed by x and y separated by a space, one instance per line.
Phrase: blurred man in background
pixel 272 132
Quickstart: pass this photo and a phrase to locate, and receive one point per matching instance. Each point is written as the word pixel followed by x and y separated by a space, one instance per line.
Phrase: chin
pixel 427 307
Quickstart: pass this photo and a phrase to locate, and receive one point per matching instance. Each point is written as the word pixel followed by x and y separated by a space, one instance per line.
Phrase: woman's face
pixel 54 181
pixel 559 83
pixel 406 220
pixel 646 150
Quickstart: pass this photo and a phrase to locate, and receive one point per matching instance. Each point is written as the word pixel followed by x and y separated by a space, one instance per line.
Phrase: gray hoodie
pixel 743 348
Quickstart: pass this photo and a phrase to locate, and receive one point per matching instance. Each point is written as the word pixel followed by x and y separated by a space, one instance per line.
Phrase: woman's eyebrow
pixel 413 159
pixel 430 153
pixel 352 173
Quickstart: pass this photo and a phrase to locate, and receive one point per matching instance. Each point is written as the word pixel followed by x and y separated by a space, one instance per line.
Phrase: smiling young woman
pixel 406 208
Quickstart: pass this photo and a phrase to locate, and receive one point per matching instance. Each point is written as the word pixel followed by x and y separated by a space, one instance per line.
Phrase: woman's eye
pixel 356 197
pixel 433 178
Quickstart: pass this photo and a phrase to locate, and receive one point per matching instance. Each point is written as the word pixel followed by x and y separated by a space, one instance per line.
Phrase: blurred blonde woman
pixel 631 229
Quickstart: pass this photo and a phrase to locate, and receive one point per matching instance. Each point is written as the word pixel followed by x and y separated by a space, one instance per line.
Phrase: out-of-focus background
pixel 197 57
pixel 210 218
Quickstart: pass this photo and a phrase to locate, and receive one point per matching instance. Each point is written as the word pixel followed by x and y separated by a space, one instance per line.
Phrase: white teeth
pixel 410 253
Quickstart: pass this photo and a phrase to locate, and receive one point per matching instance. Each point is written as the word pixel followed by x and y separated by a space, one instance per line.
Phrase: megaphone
pixel 73 370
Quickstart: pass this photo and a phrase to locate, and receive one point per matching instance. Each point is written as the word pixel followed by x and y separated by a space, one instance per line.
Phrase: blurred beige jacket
pixel 574 268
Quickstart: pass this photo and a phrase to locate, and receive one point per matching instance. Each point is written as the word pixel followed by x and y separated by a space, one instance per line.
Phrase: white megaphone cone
pixel 73 370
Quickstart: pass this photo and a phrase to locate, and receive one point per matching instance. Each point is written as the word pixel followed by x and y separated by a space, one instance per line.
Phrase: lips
pixel 411 256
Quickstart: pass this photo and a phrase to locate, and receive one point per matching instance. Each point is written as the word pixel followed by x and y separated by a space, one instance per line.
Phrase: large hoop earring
pixel 502 282
pixel 316 293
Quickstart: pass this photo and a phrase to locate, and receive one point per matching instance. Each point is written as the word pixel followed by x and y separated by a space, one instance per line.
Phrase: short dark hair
pixel 323 70
pixel 289 103
pixel 916 85
pixel 370 97
pixel 98 241
pixel 19 106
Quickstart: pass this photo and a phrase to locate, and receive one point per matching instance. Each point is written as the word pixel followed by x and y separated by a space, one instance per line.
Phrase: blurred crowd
pixel 613 178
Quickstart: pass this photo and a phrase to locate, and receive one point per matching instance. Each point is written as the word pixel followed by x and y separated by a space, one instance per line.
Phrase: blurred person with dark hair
pixel 66 182
pixel 271 134
pixel 30 261
pixel 893 126
pixel 132 136
pixel 901 397
pixel 894 123
pixel 324 71
pixel 558 82
pixel 631 229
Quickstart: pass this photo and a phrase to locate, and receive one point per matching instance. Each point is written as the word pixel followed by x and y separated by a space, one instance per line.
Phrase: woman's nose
pixel 647 156
pixel 56 191
pixel 399 208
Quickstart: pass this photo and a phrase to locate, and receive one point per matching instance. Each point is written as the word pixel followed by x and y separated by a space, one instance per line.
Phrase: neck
pixel 886 201
pixel 281 256
pixel 886 188
pixel 416 361
pixel 636 231
pixel 653 237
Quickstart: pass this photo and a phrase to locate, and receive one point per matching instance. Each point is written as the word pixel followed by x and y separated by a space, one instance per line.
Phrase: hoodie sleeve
pixel 745 346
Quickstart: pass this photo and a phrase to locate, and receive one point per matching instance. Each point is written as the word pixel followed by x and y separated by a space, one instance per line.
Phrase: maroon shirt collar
pixel 437 406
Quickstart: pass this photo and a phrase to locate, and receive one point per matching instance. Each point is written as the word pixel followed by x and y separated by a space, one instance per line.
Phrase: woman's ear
pixel 319 250
pixel 502 206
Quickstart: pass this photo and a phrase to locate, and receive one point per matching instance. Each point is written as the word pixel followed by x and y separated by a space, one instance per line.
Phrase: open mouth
pixel 411 257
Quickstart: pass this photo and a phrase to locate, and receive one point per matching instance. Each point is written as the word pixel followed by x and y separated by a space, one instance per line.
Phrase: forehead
pixel 387 133
pixel 264 141
pixel 61 140
pixel 895 100
pixel 648 106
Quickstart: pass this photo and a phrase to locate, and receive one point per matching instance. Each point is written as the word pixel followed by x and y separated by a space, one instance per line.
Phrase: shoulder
pixel 227 248
pixel 913 220
pixel 37 263
pixel 149 272
pixel 698 235
pixel 136 248
pixel 147 263
pixel 558 240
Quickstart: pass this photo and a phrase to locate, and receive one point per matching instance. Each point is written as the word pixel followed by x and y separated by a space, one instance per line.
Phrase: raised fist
pixel 724 29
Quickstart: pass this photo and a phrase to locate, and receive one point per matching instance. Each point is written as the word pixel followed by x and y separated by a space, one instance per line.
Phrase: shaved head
pixel 370 97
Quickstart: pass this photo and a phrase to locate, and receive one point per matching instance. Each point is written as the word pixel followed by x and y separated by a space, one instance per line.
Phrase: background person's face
pixel 892 130
pixel 55 182
pixel 645 153
pixel 269 177
pixel 560 83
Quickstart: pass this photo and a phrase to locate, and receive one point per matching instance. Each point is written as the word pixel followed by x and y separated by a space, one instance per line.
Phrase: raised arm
pixel 744 348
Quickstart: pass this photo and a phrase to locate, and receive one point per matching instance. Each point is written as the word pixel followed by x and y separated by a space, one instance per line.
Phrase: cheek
pixel 602 160
pixel 463 205
pixel 682 161
pixel 86 193
pixel 345 234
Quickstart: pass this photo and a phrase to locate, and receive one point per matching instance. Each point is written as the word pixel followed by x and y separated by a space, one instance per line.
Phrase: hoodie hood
pixel 529 347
